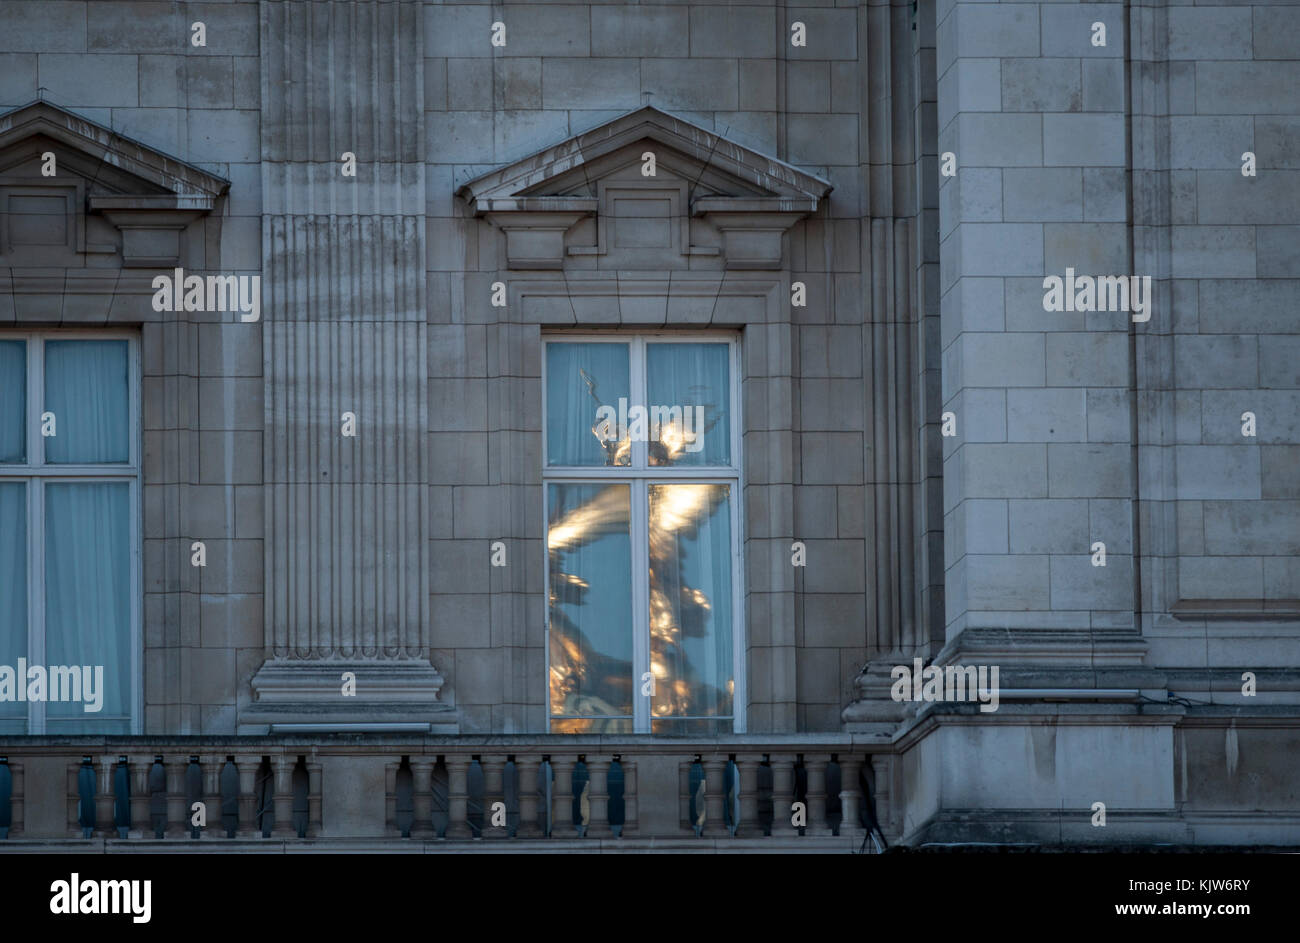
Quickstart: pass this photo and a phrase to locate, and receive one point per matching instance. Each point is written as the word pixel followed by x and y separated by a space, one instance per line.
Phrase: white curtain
pixel 86 389
pixel 13 594
pixel 13 400
pixel 88 596
pixel 579 379
pixel 691 375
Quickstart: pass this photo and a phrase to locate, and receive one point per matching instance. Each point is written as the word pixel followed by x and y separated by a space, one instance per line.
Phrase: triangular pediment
pixel 564 176
pixel 73 193
pixel 119 173
pixel 647 190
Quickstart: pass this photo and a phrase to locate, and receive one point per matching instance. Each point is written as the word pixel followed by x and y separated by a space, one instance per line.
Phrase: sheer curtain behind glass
pixel 87 596
pixel 694 377
pixel 13 401
pixel 13 594
pixel 86 389
pixel 580 378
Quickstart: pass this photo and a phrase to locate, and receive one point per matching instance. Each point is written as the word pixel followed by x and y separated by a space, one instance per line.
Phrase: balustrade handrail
pixel 385 742
pixel 454 787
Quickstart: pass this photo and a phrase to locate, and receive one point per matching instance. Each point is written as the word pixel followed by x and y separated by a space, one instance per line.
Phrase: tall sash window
pixel 642 475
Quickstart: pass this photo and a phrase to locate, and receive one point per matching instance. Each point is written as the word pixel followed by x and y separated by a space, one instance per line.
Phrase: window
pixel 642 473
pixel 69 512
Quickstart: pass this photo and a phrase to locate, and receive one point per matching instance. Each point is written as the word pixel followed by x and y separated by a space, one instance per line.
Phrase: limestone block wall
pixel 1040 466
pixel 1083 426
pixel 129 66
pixel 1221 507
pixel 1128 428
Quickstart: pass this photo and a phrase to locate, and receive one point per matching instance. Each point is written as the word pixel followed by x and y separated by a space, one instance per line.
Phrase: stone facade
pixel 813 170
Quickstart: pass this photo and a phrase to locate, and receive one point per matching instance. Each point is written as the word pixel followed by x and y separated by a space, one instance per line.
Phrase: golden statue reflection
pixel 583 681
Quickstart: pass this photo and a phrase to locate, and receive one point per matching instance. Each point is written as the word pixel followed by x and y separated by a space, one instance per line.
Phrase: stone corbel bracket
pixel 151 226
pixel 752 227
pixel 535 227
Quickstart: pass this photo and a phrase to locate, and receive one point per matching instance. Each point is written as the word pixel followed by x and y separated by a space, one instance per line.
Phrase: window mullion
pixel 641 547
pixel 640 533
pixel 739 673
pixel 637 382
pixel 35 522
pixel 35 401
pixel 36 595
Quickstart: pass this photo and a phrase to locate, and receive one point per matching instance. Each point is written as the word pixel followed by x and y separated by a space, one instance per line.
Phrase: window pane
pixel 690 601
pixel 590 569
pixel 88 598
pixel 86 389
pixel 13 401
pixel 689 410
pixel 581 378
pixel 13 597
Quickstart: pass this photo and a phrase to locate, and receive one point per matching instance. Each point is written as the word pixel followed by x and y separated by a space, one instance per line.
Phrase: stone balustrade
pixel 809 791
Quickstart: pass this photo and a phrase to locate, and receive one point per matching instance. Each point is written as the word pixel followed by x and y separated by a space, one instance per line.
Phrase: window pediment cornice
pixel 751 199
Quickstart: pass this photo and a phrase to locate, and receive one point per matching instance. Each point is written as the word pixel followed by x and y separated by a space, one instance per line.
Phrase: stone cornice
pixel 546 169
pixel 103 144
pixel 750 200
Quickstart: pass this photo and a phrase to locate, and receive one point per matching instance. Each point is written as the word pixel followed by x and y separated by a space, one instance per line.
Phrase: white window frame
pixel 35 473
pixel 639 475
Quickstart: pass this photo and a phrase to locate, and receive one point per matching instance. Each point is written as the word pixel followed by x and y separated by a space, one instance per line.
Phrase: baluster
pixel 157 777
pixel 141 824
pixel 598 796
pixel 850 796
pixel 104 798
pixel 458 797
pixel 74 798
pixel 494 791
pixel 715 797
pixel 71 798
pixel 282 827
pixel 192 786
pixel 16 796
pixel 390 799
pixel 782 795
pixel 314 779
pixel 684 794
pixel 422 797
pixel 123 788
pixel 631 803
pixel 747 767
pixel 882 766
pixel 228 783
pixel 211 797
pixel 529 801
pixel 248 767
pixel 816 764
pixel 562 796
pixel 177 820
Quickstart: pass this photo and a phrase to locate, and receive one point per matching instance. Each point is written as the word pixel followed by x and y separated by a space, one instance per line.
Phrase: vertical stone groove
pixel 347 536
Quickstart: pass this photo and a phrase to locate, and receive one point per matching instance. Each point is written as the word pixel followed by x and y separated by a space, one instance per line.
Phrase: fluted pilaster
pixel 345 352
